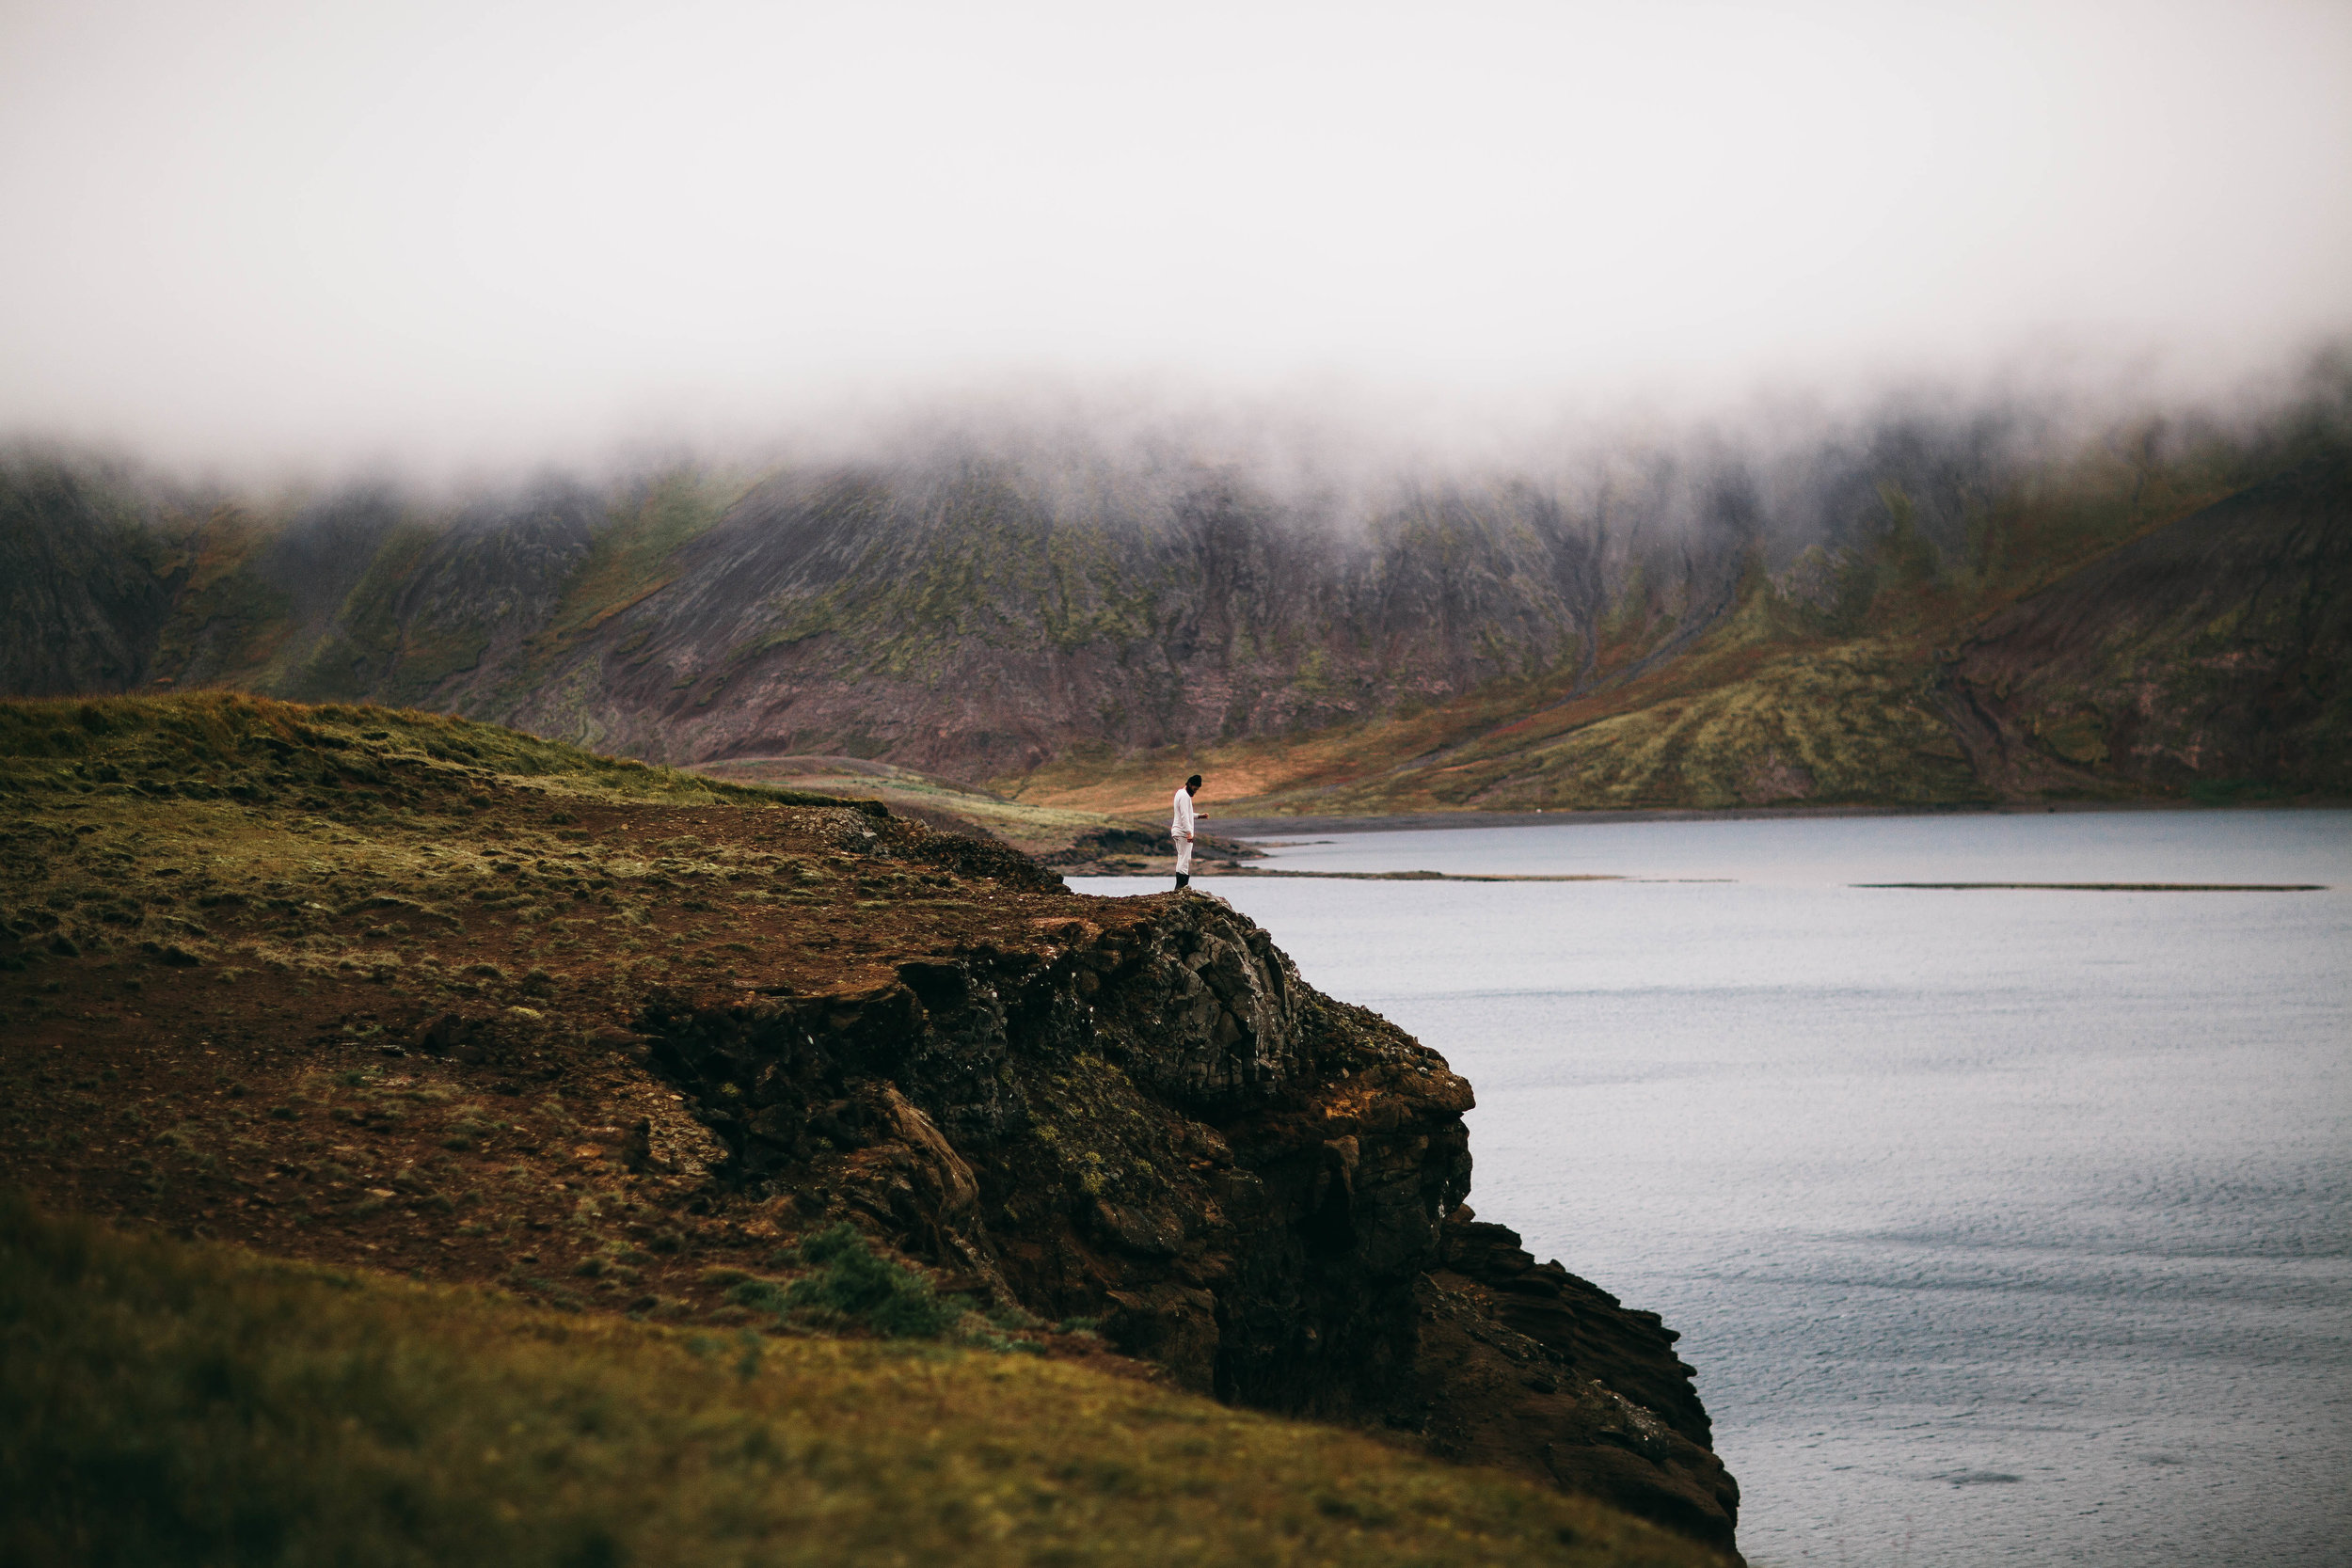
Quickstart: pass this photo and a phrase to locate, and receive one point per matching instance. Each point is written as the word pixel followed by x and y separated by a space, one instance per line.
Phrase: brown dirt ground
pixel 278 1092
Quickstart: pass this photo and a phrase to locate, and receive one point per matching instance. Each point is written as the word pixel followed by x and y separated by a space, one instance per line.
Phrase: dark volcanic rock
pixel 1159 1126
pixel 1527 1367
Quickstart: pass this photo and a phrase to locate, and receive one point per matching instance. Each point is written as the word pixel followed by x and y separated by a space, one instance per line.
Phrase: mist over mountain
pixel 1044 609
pixel 1521 406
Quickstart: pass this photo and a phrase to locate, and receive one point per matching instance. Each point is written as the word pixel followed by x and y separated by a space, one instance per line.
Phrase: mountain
pixel 1922 612
pixel 2210 655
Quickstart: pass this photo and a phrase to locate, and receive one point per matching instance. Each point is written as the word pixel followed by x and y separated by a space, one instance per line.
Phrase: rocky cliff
pixel 392 990
pixel 1145 1116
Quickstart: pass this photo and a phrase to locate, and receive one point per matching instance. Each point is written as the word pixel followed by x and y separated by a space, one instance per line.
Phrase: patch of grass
pixel 849 1284
pixel 162 1404
pixel 215 746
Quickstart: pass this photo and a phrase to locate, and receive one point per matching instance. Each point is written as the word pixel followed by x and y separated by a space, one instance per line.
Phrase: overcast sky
pixel 310 232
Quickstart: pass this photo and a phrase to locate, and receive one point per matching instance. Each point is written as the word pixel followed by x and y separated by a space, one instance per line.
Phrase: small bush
pixel 764 1295
pixel 853 1285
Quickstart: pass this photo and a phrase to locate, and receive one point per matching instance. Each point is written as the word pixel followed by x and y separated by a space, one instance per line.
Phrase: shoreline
pixel 1399 822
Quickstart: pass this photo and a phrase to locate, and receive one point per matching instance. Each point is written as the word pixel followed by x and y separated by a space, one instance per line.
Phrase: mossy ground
pixel 1034 830
pixel 486 1302
pixel 228 925
pixel 162 1402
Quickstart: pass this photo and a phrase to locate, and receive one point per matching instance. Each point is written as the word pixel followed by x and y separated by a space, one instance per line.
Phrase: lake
pixel 2002 1225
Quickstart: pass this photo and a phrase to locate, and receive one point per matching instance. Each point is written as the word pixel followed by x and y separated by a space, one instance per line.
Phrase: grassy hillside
pixel 1837 681
pixel 220 745
pixel 1728 726
pixel 422 1010
pixel 164 1403
pixel 240 920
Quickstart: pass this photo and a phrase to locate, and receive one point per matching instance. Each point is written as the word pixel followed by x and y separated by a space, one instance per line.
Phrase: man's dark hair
pixel 1193 783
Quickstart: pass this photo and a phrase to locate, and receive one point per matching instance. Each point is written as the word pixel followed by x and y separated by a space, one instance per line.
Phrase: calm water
pixel 2002 1226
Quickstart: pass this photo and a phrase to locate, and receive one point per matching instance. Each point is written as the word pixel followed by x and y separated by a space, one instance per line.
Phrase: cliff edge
pixel 391 988
pixel 1138 1111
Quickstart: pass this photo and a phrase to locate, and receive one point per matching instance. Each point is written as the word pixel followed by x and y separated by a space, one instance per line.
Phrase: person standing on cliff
pixel 1180 828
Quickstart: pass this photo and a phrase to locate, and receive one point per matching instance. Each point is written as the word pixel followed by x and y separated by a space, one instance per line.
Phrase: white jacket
pixel 1180 826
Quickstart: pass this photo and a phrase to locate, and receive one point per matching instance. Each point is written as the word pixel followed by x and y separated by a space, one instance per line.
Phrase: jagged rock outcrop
pixel 1526 1366
pixel 1152 1121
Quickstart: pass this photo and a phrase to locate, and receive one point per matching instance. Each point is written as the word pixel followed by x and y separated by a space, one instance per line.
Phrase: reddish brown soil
pixel 303 1110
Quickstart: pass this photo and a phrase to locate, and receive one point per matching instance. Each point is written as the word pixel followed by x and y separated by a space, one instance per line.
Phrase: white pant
pixel 1183 855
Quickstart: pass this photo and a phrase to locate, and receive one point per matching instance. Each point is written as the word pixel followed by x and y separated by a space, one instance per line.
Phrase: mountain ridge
pixel 1682 635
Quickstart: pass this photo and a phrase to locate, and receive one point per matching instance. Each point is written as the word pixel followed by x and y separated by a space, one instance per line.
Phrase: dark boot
pixel 1184 880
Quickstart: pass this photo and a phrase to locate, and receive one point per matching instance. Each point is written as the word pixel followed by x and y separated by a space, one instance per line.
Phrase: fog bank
pixel 274 233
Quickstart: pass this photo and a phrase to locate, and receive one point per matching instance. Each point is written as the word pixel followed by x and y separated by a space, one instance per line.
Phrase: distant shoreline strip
pixel 2115 887
pixel 1422 876
pixel 1935 887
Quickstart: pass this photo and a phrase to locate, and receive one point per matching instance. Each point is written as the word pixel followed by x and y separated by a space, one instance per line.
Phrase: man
pixel 1180 828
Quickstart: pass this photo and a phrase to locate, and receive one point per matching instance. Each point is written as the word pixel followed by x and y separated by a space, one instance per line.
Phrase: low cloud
pixel 268 234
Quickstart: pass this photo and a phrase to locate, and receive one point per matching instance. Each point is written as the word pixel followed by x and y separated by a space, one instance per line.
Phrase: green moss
pixel 851 1285
pixel 215 745
pixel 632 559
pixel 367 642
pixel 2078 737
pixel 165 1404
pixel 228 625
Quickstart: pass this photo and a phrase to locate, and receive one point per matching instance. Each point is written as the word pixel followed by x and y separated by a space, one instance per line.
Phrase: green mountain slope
pixel 1692 628
pixel 2087 648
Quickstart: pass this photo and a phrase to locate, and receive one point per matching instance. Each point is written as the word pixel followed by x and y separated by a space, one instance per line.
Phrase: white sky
pixel 238 230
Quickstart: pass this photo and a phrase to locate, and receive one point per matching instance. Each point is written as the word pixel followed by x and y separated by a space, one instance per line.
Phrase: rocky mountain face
pixel 85 589
pixel 1152 1118
pixel 964 628
pixel 2216 651
pixel 1714 628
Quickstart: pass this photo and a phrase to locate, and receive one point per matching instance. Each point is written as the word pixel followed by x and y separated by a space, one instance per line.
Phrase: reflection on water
pixel 2002 1226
